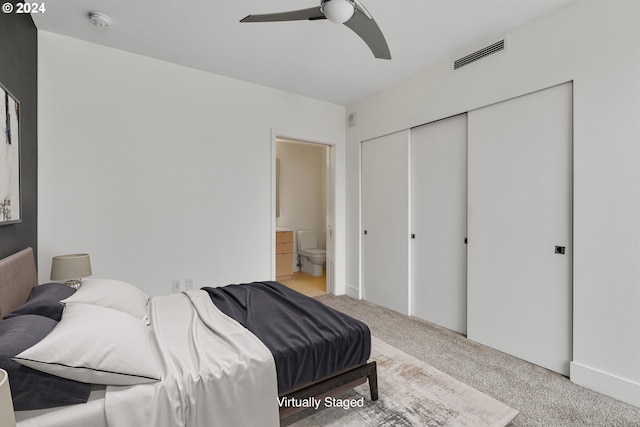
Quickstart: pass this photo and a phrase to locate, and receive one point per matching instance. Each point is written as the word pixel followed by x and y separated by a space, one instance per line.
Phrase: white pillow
pixel 114 294
pixel 97 345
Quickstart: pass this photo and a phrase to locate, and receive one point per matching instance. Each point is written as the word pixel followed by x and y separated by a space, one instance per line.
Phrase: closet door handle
pixel 365 232
pixel 560 250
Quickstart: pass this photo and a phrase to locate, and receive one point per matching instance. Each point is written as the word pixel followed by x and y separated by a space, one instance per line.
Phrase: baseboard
pixel 353 291
pixel 605 383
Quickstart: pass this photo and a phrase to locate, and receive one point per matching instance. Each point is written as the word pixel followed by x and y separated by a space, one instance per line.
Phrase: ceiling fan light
pixel 338 11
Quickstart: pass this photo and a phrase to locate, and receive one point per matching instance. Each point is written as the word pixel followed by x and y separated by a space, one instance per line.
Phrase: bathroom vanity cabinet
pixel 284 255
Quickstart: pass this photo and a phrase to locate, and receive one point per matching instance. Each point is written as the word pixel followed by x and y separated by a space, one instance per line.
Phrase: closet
pixel 520 227
pixel 439 222
pixel 466 223
pixel 385 221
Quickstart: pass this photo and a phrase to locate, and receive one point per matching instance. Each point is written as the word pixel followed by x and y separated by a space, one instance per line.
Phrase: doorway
pixel 303 188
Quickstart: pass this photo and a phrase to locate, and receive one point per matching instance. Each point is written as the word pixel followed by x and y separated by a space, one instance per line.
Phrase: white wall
pixel 595 44
pixel 303 189
pixel 161 171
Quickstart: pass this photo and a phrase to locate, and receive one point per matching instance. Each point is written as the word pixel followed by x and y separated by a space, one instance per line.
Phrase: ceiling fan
pixel 348 12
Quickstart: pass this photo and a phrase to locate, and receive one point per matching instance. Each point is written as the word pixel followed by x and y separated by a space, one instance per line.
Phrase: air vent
pixel 496 47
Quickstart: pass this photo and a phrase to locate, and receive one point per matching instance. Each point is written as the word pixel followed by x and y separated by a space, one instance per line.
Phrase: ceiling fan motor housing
pixel 338 11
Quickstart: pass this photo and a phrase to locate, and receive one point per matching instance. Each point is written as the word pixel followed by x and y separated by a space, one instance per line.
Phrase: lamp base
pixel 73 283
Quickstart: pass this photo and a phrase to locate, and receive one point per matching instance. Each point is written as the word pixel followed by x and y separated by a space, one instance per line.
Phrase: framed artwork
pixel 9 158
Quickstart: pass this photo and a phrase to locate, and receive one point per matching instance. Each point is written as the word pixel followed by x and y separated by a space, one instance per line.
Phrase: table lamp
pixel 7 417
pixel 71 269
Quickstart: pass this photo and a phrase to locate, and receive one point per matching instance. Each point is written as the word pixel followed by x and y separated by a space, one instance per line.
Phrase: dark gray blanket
pixel 308 340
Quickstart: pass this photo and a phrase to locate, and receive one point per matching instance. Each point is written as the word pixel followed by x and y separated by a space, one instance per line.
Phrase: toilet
pixel 311 258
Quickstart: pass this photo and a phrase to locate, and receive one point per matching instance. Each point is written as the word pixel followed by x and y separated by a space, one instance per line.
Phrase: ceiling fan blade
pixel 368 30
pixel 311 14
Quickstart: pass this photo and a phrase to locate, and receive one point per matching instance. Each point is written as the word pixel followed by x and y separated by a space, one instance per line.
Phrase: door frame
pixel 330 197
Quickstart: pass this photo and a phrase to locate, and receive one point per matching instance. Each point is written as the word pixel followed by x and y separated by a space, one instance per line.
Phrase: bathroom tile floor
pixel 306 284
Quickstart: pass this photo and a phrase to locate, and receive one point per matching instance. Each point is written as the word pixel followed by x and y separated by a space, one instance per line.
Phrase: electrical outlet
pixel 189 283
pixel 177 285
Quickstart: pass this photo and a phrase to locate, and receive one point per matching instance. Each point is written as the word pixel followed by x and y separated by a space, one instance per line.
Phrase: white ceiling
pixel 318 59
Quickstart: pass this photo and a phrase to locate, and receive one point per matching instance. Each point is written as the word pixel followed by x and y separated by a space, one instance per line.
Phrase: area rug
pixel 412 393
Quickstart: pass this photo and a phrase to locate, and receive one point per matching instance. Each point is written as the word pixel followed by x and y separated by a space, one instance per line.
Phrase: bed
pixel 194 361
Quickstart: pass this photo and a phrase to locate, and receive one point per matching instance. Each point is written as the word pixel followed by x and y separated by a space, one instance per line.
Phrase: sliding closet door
pixel 439 222
pixel 519 227
pixel 385 221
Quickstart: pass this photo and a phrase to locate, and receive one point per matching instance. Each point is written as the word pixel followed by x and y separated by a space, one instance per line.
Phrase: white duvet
pixel 214 372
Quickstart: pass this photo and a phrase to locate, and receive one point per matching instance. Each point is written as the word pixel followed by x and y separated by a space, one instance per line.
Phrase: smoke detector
pixel 100 20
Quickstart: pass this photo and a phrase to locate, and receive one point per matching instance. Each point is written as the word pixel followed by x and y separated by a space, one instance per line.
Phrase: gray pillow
pixel 33 389
pixel 44 301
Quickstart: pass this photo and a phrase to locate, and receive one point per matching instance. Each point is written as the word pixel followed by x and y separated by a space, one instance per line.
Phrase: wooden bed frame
pixel 18 275
pixel 334 385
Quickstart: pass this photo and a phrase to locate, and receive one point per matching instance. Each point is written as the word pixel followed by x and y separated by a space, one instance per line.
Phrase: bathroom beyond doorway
pixel 303 186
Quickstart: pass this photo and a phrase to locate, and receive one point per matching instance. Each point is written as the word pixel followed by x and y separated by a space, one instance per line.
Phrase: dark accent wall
pixel 19 74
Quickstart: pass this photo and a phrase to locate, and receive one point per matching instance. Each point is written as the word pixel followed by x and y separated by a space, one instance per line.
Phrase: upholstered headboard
pixel 17 277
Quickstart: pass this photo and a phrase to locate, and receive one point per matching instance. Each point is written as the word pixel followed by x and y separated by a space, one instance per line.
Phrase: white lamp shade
pixel 69 267
pixel 338 11
pixel 7 417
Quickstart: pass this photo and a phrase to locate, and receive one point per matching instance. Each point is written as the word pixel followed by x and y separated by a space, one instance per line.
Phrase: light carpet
pixel 412 393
